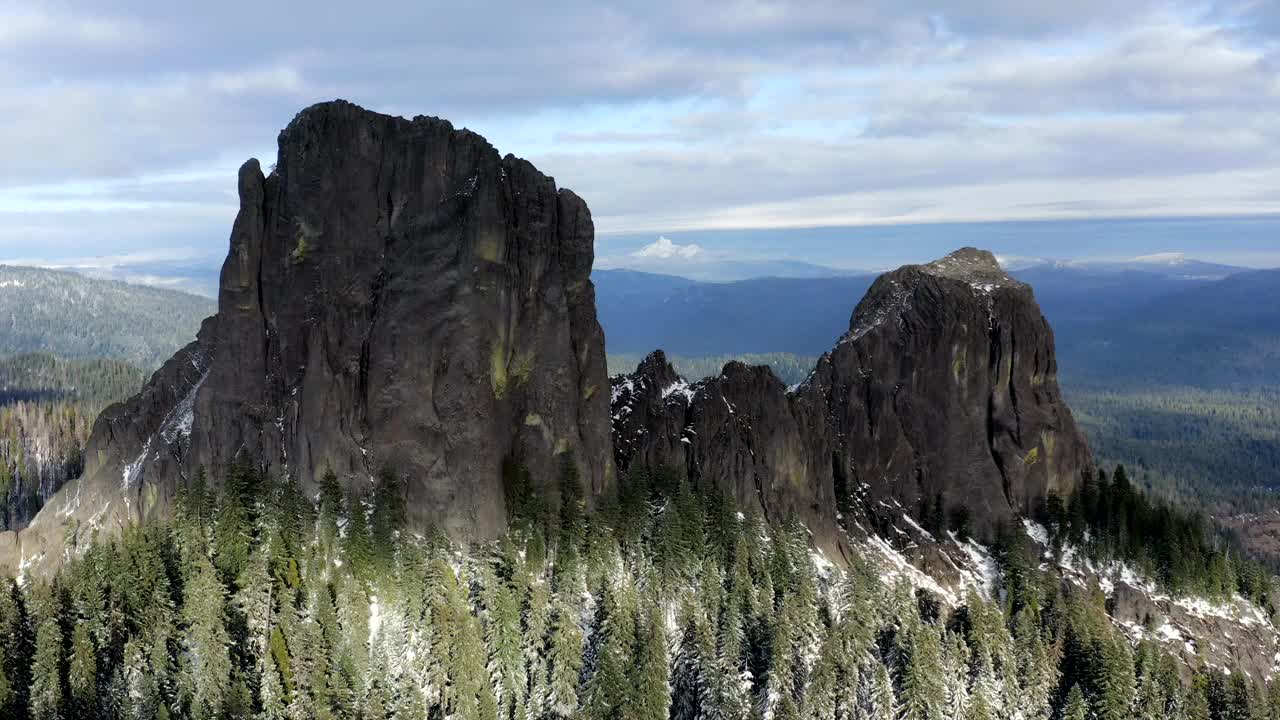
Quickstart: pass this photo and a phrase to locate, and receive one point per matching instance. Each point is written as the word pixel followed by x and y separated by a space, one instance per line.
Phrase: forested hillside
pixel 47 407
pixel 665 605
pixel 73 316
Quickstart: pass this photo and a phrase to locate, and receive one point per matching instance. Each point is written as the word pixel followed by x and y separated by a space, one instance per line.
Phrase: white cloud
pixel 664 249
pixel 665 116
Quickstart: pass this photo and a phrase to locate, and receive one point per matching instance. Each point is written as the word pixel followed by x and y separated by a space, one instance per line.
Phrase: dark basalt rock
pixel 397 295
pixel 944 387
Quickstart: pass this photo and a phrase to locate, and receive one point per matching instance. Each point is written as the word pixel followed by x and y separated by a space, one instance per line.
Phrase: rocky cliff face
pixel 397 296
pixel 944 390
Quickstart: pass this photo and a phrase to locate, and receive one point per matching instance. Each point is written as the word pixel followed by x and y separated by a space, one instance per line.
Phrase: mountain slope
pixel 73 316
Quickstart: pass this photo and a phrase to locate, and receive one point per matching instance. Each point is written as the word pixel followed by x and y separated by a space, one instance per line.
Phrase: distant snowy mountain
pixel 720 271
pixel 1172 265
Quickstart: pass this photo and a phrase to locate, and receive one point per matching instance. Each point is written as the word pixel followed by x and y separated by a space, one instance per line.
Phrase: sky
pixel 844 133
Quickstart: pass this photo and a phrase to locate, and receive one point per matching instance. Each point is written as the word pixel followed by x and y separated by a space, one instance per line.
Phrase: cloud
pixel 122 122
pixel 665 249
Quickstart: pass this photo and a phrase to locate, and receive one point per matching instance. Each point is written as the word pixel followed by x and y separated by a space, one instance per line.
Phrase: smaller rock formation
pixel 943 392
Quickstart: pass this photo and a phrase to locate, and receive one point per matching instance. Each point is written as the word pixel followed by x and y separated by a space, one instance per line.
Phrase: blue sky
pixel 737 126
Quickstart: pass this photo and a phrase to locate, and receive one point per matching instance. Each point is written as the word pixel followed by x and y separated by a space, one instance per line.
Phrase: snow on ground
pixel 375 619
pixel 680 388
pixel 178 423
pixel 626 386
pixel 1081 570
pixel 898 567
pixel 916 526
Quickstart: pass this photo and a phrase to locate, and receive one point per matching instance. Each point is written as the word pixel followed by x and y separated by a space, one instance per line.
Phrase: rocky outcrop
pixel 397 296
pixel 943 392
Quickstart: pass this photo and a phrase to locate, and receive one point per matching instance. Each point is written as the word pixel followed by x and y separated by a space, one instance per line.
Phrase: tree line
pixel 667 602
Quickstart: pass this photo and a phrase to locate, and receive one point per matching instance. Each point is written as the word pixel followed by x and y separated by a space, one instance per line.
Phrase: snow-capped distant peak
pixel 1163 258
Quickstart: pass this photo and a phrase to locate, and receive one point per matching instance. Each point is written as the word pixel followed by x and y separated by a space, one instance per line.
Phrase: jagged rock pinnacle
pixel 942 394
pixel 397 298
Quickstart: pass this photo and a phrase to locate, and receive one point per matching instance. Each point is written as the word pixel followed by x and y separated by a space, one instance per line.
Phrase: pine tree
pixel 502 636
pixel 1150 702
pixel 782 687
pixel 357 546
pixel 573 525
pixel 923 693
pixel 15 651
pixel 610 691
pixel 652 697
pixel 731 677
pixel 46 680
pixel 1037 675
pixel 255 601
pixel 232 534
pixel 472 692
pixel 205 673
pixel 533 650
pixel 565 660
pixel 1113 680
pixel 331 509
pixel 82 673
pixel 878 701
pixel 1075 707
pixel 820 700
pixel 1273 699
pixel 955 664
pixel 695 658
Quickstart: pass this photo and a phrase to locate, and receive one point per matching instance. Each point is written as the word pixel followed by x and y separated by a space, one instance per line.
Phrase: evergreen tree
pixel 1113 680
pixel 610 691
pixel 879 701
pixel 691 681
pixel 205 671
pixel 923 692
pixel 46 674
pixel 565 661
pixel 652 694
pixel 82 674
pixel 1075 707
pixel 502 636
pixel 15 651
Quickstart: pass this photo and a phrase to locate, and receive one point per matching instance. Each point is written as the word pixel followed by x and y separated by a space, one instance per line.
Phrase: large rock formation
pixel 943 392
pixel 397 296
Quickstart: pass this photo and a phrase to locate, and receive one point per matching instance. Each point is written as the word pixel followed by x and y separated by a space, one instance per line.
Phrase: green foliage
pixel 47 409
pixel 1174 546
pixel 1208 448
pixel 665 604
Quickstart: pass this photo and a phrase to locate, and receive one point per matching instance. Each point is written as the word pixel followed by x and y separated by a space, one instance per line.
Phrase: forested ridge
pixel 255 602
pixel 47 408
pixel 74 316
pixel 1207 449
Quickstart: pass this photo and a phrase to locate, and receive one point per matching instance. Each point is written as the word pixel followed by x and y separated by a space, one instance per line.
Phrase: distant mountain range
pixel 720 271
pixel 1162 319
pixel 73 316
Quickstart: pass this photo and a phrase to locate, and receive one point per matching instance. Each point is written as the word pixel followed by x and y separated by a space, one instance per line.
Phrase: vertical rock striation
pixel 943 391
pixel 397 296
